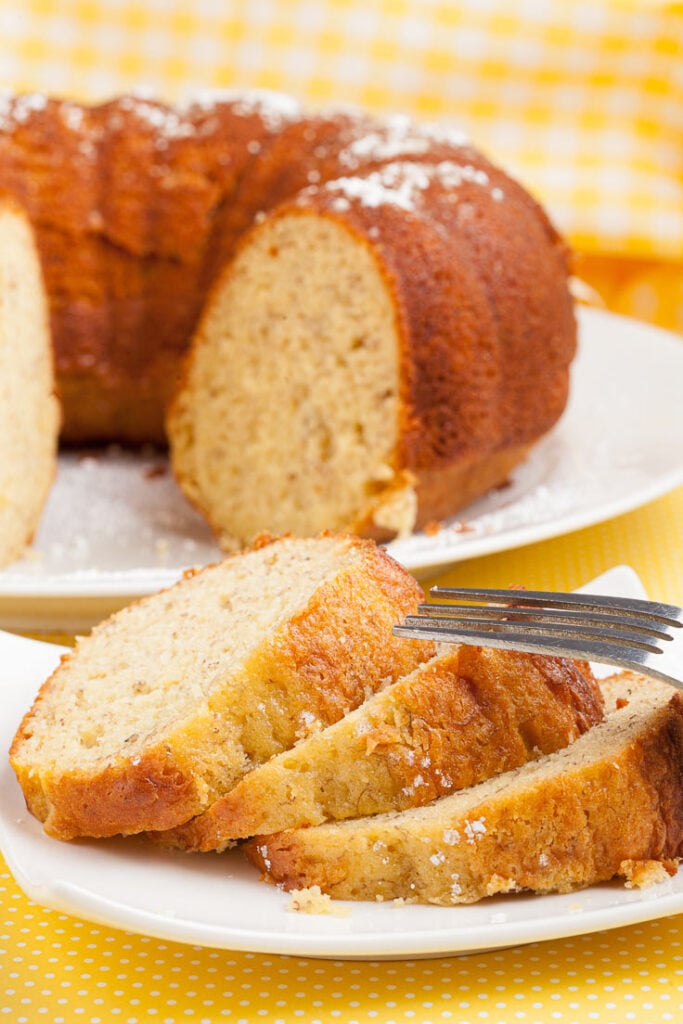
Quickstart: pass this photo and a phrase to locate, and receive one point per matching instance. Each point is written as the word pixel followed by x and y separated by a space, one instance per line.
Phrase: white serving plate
pixel 217 899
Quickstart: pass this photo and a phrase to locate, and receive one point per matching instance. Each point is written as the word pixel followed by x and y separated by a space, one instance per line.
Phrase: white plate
pixel 217 900
pixel 114 528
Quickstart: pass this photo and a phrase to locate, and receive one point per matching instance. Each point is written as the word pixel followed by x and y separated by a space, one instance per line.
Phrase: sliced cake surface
pixel 295 368
pixel 170 701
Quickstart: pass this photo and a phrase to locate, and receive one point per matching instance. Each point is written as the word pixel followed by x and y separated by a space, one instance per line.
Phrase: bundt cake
pixel 462 717
pixel 388 325
pixel 384 347
pixel 609 804
pixel 168 703
pixel 29 413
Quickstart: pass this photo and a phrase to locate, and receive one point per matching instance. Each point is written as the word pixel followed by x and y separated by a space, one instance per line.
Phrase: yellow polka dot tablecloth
pixel 71 971
pixel 584 102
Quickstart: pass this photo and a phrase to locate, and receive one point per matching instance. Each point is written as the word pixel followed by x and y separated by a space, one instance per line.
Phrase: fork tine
pixel 628 633
pixel 667 613
pixel 537 614
pixel 599 651
pixel 487 628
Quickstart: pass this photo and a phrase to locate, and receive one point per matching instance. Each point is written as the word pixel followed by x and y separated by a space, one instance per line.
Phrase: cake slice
pixel 29 411
pixel 168 703
pixel 466 715
pixel 610 803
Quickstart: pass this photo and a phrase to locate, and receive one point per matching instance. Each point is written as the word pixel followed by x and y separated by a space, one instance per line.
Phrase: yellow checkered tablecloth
pixel 583 100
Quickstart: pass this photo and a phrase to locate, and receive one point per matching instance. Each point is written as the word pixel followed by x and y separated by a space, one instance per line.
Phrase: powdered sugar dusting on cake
pixel 400 184
pixel 415 784
pixel 474 829
pixel 263 850
pixel 397 185
pixel 18 109
pixel 274 108
pixel 397 136
pixel 168 123
pixel 73 115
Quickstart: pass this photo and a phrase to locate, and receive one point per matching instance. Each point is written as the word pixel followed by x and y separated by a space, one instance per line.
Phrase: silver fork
pixel 641 635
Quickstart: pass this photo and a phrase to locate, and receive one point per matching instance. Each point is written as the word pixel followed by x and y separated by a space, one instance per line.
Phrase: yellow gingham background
pixel 583 100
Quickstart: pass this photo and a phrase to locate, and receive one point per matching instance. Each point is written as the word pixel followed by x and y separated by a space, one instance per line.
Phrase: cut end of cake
pixel 29 413
pixel 288 418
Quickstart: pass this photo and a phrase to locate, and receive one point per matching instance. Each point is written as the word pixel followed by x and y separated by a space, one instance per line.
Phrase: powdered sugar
pixel 274 108
pixel 397 184
pixel 402 184
pixel 397 136
pixel 169 124
pixel 18 109
pixel 263 851
pixel 456 888
pixel 73 116
pixel 474 829
pixel 415 784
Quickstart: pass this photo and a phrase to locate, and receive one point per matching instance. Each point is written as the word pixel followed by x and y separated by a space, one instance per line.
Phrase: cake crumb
pixel 396 510
pixel 462 526
pixel 383 735
pixel 497 884
pixel 640 874
pixel 431 528
pixel 313 901
pixel 308 724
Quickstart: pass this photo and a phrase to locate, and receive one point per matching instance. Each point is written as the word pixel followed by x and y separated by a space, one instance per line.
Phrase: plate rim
pixel 361 945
